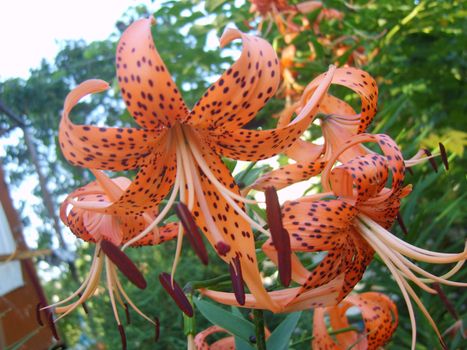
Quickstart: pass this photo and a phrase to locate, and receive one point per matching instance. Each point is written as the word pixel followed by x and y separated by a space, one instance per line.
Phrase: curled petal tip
pixel 229 35
pixel 222 248
pixel 124 263
pixel 176 293
pixel 444 156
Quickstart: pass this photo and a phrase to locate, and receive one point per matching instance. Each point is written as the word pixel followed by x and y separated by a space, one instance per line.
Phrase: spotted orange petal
pixel 237 96
pixel 254 145
pixel 101 147
pixel 236 231
pixel 147 88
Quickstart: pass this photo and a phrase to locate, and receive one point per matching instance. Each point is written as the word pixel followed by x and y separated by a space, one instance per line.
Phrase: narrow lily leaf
pixel 233 324
pixel 280 338
pixel 240 344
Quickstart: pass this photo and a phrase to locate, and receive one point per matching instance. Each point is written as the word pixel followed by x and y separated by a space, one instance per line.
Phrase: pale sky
pixel 31 30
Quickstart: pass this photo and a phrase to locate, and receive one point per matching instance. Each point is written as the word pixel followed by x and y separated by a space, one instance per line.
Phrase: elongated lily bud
pixel 444 156
pixel 237 280
pixel 191 229
pixel 122 336
pixel 124 264
pixel 279 235
pixel 431 160
pixel 176 293
pixel 39 306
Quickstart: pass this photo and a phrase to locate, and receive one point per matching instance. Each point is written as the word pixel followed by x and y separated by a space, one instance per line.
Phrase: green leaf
pixel 238 326
pixel 280 338
pixel 211 5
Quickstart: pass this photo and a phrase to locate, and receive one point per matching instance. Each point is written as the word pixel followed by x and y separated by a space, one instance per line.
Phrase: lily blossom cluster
pixel 178 152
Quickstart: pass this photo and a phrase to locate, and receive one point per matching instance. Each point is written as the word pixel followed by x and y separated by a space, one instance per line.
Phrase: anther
pixel 127 313
pixel 83 305
pixel 431 160
pixel 237 280
pixel 402 224
pixel 279 235
pixel 447 303
pixel 176 293
pixel 124 264
pixel 222 248
pixel 51 324
pixel 409 170
pixel 122 336
pixel 191 229
pixel 444 156
pixel 157 329
pixel 38 313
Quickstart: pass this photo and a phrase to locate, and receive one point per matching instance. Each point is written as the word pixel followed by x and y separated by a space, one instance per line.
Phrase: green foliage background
pixel 420 68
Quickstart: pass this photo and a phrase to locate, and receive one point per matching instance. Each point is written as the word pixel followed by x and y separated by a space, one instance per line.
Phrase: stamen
pixel 444 156
pixel 280 237
pixel 124 263
pixel 447 303
pixel 237 280
pixel 127 313
pixel 176 293
pixel 431 160
pixel 38 313
pixel 409 170
pixel 122 336
pixel 85 308
pixel 157 329
pixel 51 323
pixel 191 229
pixel 401 224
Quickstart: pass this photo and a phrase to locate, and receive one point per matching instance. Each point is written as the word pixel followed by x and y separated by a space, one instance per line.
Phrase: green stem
pixel 339 331
pixel 245 172
pixel 190 286
pixel 258 318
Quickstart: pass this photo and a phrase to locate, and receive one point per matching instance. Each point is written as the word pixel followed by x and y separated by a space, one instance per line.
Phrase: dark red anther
pixel 124 263
pixel 51 324
pixel 285 260
pixel 447 303
pixel 280 236
pixel 237 280
pixel 409 170
pixel 39 306
pixel 222 248
pixel 127 313
pixel 402 224
pixel 157 329
pixel 83 305
pixel 444 156
pixel 193 235
pixel 176 293
pixel 431 160
pixel 122 336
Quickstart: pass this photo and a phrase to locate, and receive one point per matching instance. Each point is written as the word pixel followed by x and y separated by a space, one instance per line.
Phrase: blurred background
pixel 414 49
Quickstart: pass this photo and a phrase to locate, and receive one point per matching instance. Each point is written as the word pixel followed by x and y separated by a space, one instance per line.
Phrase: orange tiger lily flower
pixel 354 225
pixel 227 343
pixel 380 319
pixel 179 150
pixel 339 123
pixel 108 232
